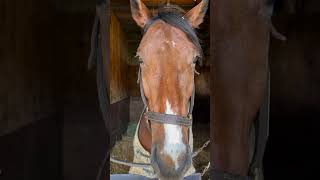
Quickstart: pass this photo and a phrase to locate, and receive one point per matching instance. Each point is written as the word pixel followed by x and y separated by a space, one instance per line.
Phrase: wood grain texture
pixel 118 56
pixel 26 94
pixel 156 2
pixel 180 2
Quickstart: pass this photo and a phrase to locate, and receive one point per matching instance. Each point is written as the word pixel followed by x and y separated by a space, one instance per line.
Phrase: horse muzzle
pixel 168 168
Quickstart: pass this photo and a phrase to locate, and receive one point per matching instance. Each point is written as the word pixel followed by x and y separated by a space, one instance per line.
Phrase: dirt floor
pixel 124 150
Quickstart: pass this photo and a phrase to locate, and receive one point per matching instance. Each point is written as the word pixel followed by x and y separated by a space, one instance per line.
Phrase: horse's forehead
pixel 161 39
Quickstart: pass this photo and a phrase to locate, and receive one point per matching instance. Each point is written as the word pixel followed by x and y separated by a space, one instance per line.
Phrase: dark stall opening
pixel 295 87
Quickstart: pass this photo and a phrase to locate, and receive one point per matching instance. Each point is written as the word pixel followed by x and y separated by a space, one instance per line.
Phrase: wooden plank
pixel 118 56
pixel 156 2
pixel 179 2
pixel 26 93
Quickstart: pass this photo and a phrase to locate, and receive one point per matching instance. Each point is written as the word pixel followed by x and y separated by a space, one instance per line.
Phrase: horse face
pixel 167 73
pixel 167 78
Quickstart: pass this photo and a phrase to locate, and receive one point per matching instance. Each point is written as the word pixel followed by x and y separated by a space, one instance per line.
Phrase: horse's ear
pixel 196 15
pixel 140 12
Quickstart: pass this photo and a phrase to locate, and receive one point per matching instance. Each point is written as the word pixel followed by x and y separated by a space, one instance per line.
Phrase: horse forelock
pixel 174 16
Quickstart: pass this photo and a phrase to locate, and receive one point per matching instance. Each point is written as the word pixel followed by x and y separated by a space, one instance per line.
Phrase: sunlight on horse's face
pixel 167 77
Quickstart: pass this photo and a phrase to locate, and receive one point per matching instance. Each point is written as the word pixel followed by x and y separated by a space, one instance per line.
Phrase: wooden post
pixel 118 66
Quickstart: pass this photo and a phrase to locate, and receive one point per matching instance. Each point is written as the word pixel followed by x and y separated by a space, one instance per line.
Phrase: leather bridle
pixel 161 117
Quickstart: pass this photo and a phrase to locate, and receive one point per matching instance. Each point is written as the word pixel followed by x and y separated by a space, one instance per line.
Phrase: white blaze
pixel 173 144
pixel 173 44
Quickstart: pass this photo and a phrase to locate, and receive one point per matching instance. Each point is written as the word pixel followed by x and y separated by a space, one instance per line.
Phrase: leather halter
pixel 165 14
pixel 166 118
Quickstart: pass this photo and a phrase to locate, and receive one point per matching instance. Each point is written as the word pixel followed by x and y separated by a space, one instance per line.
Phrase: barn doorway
pixel 125 37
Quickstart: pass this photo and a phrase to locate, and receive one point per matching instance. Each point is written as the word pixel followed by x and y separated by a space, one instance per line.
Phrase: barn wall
pixel 29 115
pixel 179 2
pixel 85 140
pixel 118 58
pixel 72 47
pixel 27 77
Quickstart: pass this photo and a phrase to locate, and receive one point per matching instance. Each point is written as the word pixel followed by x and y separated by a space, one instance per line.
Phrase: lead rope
pixel 205 170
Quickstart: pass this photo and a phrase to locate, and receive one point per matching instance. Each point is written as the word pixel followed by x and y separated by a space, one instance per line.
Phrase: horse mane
pixel 173 15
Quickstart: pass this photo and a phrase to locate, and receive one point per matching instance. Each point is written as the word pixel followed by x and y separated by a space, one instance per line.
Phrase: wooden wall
pixel 29 117
pixel 179 2
pixel 118 57
pixel 26 71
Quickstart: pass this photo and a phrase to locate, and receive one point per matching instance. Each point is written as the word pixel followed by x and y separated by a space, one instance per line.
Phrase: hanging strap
pixel 95 58
pixel 143 97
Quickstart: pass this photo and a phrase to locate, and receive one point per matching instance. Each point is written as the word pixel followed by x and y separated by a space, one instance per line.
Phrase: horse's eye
pixel 140 61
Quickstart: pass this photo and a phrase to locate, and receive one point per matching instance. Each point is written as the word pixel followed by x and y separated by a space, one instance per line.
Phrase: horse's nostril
pixel 166 165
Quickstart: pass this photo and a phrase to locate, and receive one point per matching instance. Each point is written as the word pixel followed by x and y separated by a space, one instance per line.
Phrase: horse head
pixel 168 52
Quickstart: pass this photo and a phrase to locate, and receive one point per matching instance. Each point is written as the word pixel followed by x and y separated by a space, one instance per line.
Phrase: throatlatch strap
pixel 143 97
pixel 168 118
pixel 192 100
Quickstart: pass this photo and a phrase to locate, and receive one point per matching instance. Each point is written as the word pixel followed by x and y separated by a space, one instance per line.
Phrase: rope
pixel 205 169
pixel 194 154
pixel 131 164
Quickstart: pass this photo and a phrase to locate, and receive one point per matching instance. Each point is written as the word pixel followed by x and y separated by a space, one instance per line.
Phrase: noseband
pixel 166 118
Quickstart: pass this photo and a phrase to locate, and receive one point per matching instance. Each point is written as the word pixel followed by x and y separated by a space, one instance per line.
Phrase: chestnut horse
pixel 168 53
